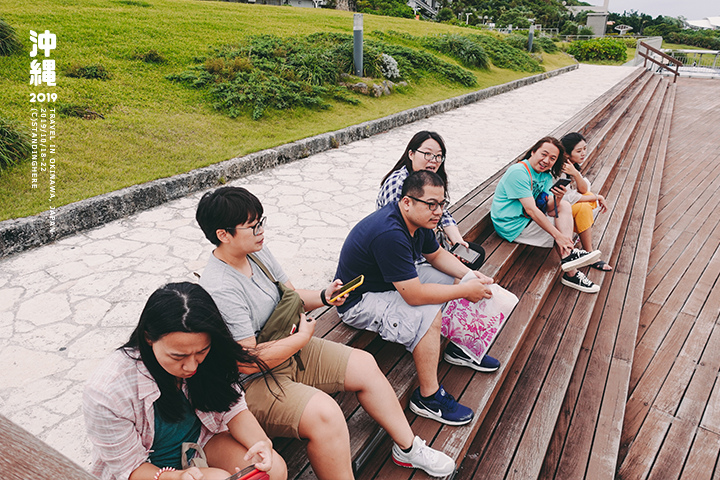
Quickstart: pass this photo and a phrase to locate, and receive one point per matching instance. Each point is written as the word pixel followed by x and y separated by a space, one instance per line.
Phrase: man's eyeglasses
pixel 431 157
pixel 257 229
pixel 432 204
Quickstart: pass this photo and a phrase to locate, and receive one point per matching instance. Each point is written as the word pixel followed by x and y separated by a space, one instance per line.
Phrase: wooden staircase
pixel 575 390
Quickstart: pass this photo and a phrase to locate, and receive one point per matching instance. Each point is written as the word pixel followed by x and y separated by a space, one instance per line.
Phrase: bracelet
pixel 324 300
pixel 163 470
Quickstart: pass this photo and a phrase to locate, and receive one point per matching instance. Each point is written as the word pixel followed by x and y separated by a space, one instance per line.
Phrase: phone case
pixel 249 473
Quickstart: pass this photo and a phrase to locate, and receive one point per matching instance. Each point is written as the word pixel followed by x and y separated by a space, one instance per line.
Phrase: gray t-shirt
pixel 245 303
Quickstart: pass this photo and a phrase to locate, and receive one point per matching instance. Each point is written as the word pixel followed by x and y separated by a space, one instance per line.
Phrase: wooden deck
pixel 623 384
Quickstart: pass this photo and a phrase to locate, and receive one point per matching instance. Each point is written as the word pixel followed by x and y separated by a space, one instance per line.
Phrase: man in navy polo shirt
pixel 402 300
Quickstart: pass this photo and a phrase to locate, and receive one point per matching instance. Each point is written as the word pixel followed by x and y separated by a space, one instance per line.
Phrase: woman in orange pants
pixel 584 202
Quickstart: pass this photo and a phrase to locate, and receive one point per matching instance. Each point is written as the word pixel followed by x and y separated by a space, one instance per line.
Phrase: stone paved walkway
pixel 65 306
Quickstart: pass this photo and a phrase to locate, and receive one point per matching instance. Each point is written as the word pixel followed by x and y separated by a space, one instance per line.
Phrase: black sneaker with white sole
pixel 579 258
pixel 580 282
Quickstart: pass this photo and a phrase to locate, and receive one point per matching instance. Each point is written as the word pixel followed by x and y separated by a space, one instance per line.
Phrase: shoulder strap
pixel 528 170
pixel 262 267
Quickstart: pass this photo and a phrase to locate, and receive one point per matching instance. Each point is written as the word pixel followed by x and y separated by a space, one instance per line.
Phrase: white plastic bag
pixel 474 326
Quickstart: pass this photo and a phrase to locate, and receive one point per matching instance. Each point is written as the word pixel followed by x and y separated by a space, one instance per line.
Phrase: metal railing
pixel 659 58
pixel 709 59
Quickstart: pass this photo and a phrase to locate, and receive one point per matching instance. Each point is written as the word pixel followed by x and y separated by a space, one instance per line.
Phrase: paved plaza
pixel 65 306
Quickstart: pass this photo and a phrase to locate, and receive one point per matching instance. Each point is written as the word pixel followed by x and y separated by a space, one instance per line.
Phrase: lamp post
pixel 358 43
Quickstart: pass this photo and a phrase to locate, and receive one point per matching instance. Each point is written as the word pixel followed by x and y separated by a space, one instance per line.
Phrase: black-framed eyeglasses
pixel 431 157
pixel 432 204
pixel 257 229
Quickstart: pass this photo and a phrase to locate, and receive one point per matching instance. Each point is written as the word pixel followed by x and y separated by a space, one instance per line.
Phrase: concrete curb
pixel 24 233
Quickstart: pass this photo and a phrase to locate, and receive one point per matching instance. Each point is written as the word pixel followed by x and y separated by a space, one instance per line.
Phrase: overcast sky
pixel 691 9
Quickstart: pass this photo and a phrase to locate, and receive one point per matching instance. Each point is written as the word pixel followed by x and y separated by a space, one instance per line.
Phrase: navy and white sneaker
pixel 580 282
pixel 441 407
pixel 455 355
pixel 579 258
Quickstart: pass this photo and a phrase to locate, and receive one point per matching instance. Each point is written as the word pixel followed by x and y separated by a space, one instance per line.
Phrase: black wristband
pixel 324 300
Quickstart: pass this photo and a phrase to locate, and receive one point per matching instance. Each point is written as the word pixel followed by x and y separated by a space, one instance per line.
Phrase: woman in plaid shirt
pixel 426 151
pixel 176 380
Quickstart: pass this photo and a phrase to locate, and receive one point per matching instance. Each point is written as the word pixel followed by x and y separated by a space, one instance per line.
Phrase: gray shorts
pixel 534 235
pixel 388 314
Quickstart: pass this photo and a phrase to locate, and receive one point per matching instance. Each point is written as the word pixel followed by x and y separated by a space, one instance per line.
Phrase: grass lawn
pixel 154 128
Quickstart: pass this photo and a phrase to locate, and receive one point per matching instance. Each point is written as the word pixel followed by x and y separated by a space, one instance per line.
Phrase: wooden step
pixel 595 400
pixel 671 428
pixel 523 421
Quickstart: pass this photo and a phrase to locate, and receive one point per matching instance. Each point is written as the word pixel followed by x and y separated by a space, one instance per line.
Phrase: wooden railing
pixel 671 61
pixel 23 457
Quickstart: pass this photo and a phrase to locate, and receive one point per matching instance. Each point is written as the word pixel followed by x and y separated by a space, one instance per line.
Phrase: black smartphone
pixel 348 287
pixel 561 182
pixel 465 253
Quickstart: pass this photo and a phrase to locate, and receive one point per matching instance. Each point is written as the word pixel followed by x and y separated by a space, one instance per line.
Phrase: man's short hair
pixel 226 208
pixel 416 182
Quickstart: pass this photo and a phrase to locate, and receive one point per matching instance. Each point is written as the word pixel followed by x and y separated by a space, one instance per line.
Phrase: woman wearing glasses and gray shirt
pixel 426 151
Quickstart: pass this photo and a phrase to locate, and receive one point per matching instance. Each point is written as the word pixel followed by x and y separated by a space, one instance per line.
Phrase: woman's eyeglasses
pixel 257 229
pixel 431 157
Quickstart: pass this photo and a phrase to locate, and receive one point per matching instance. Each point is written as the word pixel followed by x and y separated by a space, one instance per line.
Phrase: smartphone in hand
pixel 465 253
pixel 249 473
pixel 561 182
pixel 348 287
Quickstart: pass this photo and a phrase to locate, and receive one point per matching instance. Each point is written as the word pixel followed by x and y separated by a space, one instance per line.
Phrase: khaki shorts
pixel 325 366
pixel 534 235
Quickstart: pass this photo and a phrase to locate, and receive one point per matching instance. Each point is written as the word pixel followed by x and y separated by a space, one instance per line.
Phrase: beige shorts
pixel 534 235
pixel 325 366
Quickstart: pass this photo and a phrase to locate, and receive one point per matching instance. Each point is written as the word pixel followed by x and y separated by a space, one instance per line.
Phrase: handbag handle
pixel 263 268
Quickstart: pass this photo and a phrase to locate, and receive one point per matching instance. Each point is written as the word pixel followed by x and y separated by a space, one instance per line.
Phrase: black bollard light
pixel 358 43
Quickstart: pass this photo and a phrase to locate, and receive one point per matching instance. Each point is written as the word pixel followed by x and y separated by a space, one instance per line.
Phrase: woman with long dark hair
pixel 426 151
pixel 584 202
pixel 175 381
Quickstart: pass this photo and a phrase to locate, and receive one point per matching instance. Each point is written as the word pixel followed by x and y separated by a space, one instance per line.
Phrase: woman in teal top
pixel 517 217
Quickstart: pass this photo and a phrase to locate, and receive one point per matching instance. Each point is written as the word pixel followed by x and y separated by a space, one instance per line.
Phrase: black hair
pixel 570 141
pixel 415 142
pixel 225 208
pixel 416 182
pixel 557 167
pixel 187 307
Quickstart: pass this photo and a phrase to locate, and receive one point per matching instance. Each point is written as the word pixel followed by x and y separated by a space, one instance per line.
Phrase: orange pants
pixel 583 215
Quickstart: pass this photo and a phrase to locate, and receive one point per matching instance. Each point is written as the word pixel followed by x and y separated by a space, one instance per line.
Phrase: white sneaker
pixel 433 462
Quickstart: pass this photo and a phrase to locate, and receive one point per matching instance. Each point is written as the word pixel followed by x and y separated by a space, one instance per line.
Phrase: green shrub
pixel 507 56
pixel 704 39
pixel 546 44
pixel 14 144
pixel 569 28
pixel 390 8
pixel 598 49
pixel 151 56
pixel 444 15
pixel 586 31
pixel 469 53
pixel 93 72
pixel 269 72
pixel 9 41
pixel 518 41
